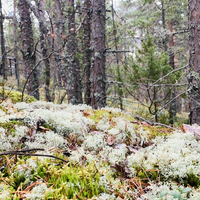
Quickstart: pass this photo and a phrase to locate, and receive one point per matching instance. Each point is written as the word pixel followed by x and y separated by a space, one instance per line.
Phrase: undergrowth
pixel 92 154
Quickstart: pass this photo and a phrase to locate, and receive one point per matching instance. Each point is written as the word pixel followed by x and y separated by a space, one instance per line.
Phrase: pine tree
pixel 98 71
pixel 29 56
pixel 194 62
pixel 147 67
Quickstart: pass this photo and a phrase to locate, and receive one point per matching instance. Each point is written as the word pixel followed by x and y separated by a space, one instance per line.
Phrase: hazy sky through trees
pixel 7 6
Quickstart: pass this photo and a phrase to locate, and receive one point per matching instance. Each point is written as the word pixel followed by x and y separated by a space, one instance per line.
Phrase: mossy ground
pixel 64 180
pixel 15 96
pixel 78 180
pixel 10 126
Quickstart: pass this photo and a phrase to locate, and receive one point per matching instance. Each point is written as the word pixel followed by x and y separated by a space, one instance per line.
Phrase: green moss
pixel 3 109
pixel 10 126
pixel 70 180
pixel 76 179
pixel 18 179
pixel 65 180
pixel 191 180
pixel 96 115
pixel 156 175
pixel 49 126
pixel 155 131
pixel 16 96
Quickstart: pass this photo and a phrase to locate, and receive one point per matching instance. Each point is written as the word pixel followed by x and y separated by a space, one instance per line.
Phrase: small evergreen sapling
pixel 148 66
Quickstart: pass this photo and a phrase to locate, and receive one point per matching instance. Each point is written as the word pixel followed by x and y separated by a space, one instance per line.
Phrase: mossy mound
pixel 15 96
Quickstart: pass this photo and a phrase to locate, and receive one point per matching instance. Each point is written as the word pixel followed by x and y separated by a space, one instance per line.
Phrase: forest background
pixel 69 72
pixel 127 54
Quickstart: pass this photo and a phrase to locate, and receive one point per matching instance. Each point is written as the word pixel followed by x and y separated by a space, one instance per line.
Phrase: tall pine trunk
pixel 3 49
pixel 15 44
pixel 74 85
pixel 60 70
pixel 98 71
pixel 172 109
pixel 29 57
pixel 194 61
pixel 87 51
pixel 119 78
pixel 44 48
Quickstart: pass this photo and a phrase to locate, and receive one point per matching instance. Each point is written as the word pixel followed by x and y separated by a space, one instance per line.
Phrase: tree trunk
pixel 29 57
pixel 87 51
pixel 56 56
pixel 15 44
pixel 3 50
pixel 163 23
pixel 60 17
pixel 119 79
pixel 60 71
pixel 74 85
pixel 98 71
pixel 194 61
pixel 44 49
pixel 172 109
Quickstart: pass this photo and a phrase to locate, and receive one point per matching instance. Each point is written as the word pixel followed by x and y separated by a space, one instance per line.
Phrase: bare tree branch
pixel 167 75
pixel 169 102
pixel 154 124
pixel 23 153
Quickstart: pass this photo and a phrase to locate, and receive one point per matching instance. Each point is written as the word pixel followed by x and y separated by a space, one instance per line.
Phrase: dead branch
pixel 155 123
pixel 35 49
pixel 167 75
pixel 140 118
pixel 23 153
pixel 117 51
pixel 159 124
pixel 20 50
pixel 169 102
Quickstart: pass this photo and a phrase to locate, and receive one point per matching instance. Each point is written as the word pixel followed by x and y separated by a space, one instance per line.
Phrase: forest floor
pixel 52 151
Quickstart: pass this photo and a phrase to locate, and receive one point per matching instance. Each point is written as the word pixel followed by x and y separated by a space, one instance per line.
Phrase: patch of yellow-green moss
pixel 64 180
pixel 10 126
pixel 155 131
pixel 97 115
pixel 15 96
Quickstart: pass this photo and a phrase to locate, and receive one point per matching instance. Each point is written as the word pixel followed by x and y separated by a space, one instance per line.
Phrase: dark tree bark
pixel 60 17
pixel 98 71
pixel 163 23
pixel 44 48
pixel 74 85
pixel 39 14
pixel 194 61
pixel 29 57
pixel 56 57
pixel 60 70
pixel 87 51
pixel 172 109
pixel 172 105
pixel 56 54
pixel 15 44
pixel 3 50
